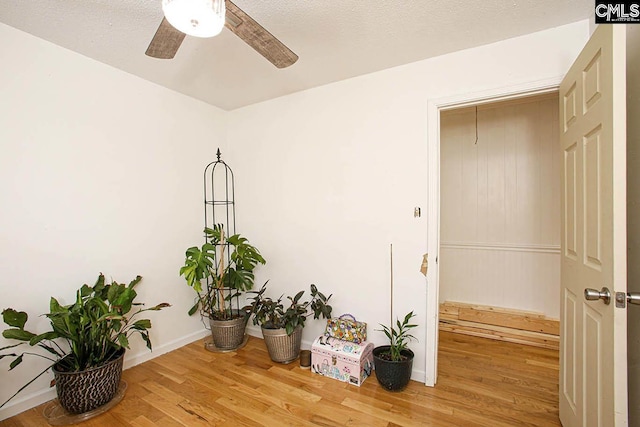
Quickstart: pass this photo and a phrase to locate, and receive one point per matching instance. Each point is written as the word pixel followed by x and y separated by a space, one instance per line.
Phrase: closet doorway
pixel 500 205
pixel 508 102
pixel 487 102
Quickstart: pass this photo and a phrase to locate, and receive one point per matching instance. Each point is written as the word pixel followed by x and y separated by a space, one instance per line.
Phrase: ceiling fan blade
pixel 165 42
pixel 254 34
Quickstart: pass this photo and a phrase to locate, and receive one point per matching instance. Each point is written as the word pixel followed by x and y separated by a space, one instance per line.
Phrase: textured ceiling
pixel 335 39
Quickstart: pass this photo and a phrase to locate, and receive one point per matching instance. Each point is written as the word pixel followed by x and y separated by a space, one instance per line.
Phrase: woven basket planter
pixel 84 391
pixel 228 334
pixel 283 348
pixel 393 376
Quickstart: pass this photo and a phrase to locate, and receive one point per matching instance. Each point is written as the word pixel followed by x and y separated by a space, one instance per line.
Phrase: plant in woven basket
pixel 226 264
pixel 89 333
pixel 273 314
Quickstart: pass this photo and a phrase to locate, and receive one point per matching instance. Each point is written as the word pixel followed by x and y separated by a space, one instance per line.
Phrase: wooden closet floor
pixel 481 382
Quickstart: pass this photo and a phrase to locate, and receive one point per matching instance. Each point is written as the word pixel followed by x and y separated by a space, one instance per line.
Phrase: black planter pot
pixel 393 376
pixel 84 391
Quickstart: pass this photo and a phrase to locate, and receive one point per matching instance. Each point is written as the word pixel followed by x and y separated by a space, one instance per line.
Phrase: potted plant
pixel 394 362
pixel 282 326
pixel 86 343
pixel 226 265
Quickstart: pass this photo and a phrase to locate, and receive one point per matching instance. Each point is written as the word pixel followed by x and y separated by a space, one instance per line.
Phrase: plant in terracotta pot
pixel 225 265
pixel 282 324
pixel 394 362
pixel 86 343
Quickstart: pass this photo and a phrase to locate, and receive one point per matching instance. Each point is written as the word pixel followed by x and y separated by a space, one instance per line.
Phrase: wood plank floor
pixel 481 383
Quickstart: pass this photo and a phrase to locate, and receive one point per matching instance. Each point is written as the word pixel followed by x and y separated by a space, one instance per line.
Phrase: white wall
pixel 500 205
pixel 633 218
pixel 100 171
pixel 326 179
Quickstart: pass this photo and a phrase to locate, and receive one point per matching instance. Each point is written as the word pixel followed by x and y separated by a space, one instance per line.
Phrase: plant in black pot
pixel 282 326
pixel 226 265
pixel 86 343
pixel 394 362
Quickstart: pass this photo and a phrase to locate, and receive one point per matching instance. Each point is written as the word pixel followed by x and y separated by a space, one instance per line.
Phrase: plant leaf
pixel 18 334
pixel 135 281
pixel 125 300
pixel 145 337
pixel 51 335
pixel 15 362
pixel 194 309
pixel 86 290
pixel 297 297
pixel 55 307
pixel 142 324
pixel 99 285
pixel 122 339
pixel 15 318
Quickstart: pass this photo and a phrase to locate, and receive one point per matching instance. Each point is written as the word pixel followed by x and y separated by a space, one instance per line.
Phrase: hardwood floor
pixel 481 383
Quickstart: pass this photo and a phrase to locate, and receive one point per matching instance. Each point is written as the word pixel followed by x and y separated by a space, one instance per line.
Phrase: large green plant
pixel 224 263
pixel 399 337
pixel 88 333
pixel 271 314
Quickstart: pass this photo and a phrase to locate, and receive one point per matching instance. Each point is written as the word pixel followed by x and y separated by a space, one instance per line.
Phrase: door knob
pixel 603 294
pixel 623 298
pixel 633 298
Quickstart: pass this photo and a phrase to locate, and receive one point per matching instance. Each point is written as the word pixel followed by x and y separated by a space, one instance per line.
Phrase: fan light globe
pixel 199 18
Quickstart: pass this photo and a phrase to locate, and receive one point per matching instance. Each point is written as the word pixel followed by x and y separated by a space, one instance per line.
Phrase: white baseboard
pixel 38 397
pixel 145 355
pixel 19 405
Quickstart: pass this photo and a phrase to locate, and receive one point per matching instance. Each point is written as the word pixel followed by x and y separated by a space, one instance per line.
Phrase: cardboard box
pixel 343 360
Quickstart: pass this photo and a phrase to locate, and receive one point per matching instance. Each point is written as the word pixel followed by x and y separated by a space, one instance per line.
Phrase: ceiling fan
pixel 167 40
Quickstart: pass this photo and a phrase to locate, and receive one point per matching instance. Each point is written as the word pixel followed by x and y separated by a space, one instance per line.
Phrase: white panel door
pixel 593 347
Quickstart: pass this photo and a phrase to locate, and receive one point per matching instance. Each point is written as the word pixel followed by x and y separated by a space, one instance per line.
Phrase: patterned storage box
pixel 342 360
pixel 347 328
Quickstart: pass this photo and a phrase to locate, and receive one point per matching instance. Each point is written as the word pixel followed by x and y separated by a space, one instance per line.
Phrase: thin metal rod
pixel 391 263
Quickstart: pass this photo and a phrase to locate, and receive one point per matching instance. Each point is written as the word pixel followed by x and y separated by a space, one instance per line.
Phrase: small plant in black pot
pixel 394 362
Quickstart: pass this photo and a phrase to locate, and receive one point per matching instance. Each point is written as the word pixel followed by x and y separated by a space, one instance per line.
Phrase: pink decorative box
pixel 343 360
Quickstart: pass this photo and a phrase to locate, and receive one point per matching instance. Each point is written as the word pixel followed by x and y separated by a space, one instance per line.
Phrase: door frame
pixel 434 107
